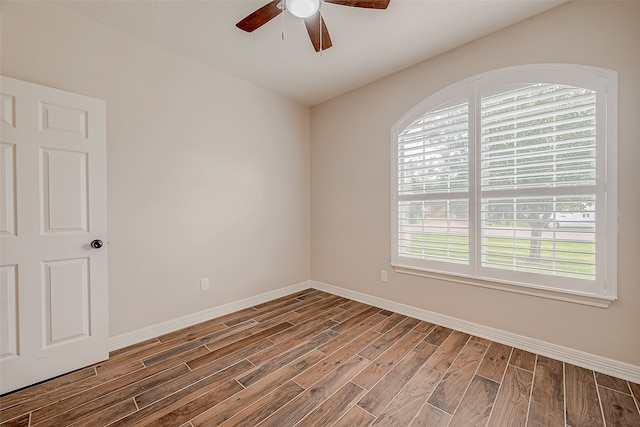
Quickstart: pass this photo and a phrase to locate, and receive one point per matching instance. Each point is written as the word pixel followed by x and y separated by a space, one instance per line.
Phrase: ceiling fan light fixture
pixel 303 8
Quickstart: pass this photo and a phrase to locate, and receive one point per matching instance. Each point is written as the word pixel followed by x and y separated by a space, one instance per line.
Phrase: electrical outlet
pixel 204 284
pixel 383 275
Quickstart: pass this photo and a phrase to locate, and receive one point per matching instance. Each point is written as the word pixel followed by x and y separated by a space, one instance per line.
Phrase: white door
pixel 53 201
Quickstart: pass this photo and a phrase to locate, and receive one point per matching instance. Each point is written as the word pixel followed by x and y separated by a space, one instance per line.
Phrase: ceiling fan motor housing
pixel 302 8
pixel 309 10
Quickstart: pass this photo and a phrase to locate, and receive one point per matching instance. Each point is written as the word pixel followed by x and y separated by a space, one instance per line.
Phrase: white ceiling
pixel 367 44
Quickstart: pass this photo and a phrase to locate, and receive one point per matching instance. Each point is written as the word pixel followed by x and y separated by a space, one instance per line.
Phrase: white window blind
pixel 433 186
pixel 538 167
pixel 513 182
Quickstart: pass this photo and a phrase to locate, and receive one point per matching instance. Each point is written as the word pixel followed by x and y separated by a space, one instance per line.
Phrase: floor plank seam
pixel 504 374
pixel 533 382
pixel 407 382
pixel 564 391
pixel 485 377
pixel 374 417
pixel 595 381
pixel 294 380
pixel 636 399
pixel 317 406
pixel 419 409
pixel 615 390
pixel 520 369
pixel 453 413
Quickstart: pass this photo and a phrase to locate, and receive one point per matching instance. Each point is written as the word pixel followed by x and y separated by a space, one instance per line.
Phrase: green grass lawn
pixel 570 259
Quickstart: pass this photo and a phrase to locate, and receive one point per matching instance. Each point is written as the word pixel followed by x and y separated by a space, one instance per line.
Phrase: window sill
pixel 567 296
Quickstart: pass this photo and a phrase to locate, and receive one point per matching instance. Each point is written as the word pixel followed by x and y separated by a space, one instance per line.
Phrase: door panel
pixel 53 285
pixel 66 304
pixel 7 189
pixel 64 191
pixel 8 312
pixel 63 118
pixel 7 109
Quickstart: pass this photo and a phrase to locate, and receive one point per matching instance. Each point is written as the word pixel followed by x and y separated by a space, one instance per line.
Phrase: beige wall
pixel 208 176
pixel 350 180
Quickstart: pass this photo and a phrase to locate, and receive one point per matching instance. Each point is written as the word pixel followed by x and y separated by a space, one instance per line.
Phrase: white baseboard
pixel 575 357
pixel 134 337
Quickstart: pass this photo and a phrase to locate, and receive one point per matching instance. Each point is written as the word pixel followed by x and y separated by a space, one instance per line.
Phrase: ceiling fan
pixel 309 10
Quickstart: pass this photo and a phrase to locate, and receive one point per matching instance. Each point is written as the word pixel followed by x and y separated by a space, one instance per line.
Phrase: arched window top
pixel 509 177
pixel 588 77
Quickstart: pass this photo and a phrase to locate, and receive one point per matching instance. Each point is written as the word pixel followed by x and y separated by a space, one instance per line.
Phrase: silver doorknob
pixel 96 244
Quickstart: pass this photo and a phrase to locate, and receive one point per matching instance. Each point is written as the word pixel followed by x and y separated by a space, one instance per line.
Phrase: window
pixel 507 180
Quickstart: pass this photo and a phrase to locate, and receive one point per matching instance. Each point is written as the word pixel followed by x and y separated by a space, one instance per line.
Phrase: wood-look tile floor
pixel 315 359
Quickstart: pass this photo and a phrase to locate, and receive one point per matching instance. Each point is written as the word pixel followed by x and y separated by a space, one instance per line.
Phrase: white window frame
pixel 603 290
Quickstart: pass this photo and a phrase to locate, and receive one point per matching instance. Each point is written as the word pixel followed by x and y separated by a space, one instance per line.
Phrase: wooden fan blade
pixel 369 4
pixel 313 28
pixel 260 17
